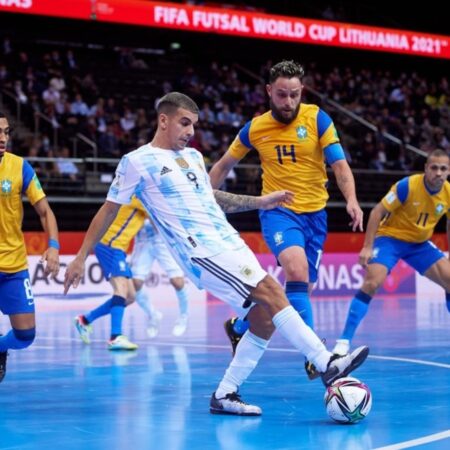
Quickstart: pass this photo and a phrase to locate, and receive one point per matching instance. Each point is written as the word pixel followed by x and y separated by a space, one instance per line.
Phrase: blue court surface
pixel 62 394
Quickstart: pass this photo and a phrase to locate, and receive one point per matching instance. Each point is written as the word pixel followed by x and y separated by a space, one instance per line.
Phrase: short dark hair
pixel 2 115
pixel 286 69
pixel 174 100
pixel 437 154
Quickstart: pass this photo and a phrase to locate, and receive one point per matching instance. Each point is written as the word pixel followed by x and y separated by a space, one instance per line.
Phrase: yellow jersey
pixel 17 178
pixel 414 210
pixel 128 222
pixel 293 156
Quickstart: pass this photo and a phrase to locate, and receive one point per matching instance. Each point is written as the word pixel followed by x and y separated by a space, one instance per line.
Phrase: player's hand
pixel 274 199
pixel 74 273
pixel 365 255
pixel 356 213
pixel 50 259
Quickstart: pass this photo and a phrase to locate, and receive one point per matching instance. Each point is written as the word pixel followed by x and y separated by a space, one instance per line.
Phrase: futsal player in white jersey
pixel 171 181
pixel 148 248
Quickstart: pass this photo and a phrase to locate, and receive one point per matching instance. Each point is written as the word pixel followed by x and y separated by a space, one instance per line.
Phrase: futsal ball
pixel 348 400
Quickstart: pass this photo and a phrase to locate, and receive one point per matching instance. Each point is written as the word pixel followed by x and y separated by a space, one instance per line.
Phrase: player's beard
pixel 278 115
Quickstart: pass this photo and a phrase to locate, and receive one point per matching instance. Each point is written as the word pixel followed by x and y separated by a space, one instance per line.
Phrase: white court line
pixel 406 444
pixel 415 442
pixel 414 361
pixel 270 349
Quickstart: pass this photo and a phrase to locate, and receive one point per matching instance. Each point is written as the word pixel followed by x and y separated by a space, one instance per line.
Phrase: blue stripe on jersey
pixel 333 153
pixel 323 122
pixel 27 175
pixel 403 189
pixel 122 227
pixel 244 134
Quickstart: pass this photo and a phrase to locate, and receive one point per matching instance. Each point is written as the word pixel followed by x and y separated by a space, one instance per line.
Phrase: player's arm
pixel 237 150
pixel 220 169
pixel 346 184
pixel 98 227
pixel 376 216
pixel 232 203
pixel 448 237
pixel 48 220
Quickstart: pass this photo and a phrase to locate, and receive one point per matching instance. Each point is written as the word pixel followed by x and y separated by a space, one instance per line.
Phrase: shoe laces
pixel 234 397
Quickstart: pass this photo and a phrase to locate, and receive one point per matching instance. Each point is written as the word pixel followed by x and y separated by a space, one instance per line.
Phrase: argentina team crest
pixel 182 163
pixel 6 187
pixel 246 271
pixel 302 133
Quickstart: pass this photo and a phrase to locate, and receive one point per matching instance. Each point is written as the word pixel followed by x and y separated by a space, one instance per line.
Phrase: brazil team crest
pixel 302 133
pixel 6 186
pixel 439 209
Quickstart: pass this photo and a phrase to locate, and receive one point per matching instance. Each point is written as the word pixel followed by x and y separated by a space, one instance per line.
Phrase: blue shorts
pixel 112 261
pixel 388 251
pixel 15 293
pixel 283 228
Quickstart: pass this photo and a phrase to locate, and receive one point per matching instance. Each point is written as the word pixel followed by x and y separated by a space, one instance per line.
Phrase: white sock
pixel 294 329
pixel 182 296
pixel 248 353
pixel 144 302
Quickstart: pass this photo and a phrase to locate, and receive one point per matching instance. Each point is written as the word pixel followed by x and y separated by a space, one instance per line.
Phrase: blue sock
pixel 297 294
pixel 447 300
pixel 117 310
pixel 182 300
pixel 240 326
pixel 100 311
pixel 17 339
pixel 357 311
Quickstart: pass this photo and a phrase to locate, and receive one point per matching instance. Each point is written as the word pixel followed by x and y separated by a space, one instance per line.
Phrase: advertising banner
pixel 340 275
pixel 94 285
pixel 234 22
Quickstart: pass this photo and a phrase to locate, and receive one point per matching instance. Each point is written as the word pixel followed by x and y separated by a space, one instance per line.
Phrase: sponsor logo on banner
pixel 340 274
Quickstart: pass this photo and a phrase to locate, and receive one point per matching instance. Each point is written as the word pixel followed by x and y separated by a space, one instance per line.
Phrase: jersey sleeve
pixel 125 183
pixel 31 186
pixel 397 195
pixel 328 138
pixel 241 144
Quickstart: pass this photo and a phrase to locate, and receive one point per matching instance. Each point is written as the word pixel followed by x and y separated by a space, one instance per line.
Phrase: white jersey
pixel 149 247
pixel 175 189
pixel 147 232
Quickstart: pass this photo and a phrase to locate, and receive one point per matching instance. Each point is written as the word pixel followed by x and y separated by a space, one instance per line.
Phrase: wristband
pixel 53 243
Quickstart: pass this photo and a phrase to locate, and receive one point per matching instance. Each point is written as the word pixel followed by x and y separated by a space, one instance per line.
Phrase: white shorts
pixel 146 252
pixel 230 276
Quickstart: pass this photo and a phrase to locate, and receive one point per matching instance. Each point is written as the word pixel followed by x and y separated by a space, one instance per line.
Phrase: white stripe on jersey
pixel 146 233
pixel 175 190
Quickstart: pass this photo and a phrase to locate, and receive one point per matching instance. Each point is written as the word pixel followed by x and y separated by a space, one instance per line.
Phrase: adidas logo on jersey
pixel 165 170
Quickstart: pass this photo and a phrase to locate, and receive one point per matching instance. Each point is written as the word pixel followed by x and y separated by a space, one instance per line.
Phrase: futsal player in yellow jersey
pixel 294 141
pixel 18 178
pixel 111 254
pixel 400 227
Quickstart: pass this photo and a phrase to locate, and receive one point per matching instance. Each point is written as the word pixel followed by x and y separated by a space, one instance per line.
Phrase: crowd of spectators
pixel 60 85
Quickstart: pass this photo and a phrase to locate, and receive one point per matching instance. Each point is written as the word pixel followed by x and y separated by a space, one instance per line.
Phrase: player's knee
pixel 177 283
pixel 270 292
pixel 23 338
pixel 296 272
pixel 370 286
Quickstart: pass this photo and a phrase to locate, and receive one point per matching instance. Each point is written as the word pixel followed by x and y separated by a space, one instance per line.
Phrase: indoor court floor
pixel 62 394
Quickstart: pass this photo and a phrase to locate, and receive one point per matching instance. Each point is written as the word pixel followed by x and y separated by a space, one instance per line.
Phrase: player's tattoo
pixel 232 203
